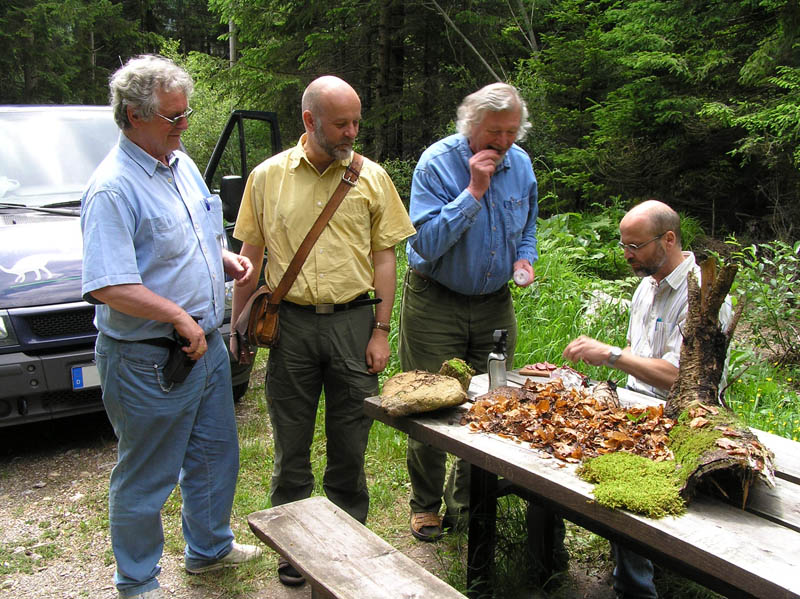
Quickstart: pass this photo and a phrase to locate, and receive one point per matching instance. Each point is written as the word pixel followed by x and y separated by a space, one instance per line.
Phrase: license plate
pixel 85 376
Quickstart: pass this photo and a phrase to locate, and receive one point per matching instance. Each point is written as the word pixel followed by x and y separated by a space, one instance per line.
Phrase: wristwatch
pixel 616 352
pixel 384 326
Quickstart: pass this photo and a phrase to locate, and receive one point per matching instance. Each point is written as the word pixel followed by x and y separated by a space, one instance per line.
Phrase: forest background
pixel 694 102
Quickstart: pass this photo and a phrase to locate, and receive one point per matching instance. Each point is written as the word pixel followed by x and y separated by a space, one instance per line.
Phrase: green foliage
pixel 590 239
pixel 620 91
pixel 768 279
pixel 401 173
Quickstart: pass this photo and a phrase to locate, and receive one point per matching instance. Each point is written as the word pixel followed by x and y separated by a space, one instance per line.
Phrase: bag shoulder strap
pixel 349 179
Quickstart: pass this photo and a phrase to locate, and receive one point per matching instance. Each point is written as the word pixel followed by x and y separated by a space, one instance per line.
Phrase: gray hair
pixel 495 97
pixel 137 83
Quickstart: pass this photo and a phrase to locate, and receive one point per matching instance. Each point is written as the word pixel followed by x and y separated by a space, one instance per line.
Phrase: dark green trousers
pixel 316 352
pixel 437 324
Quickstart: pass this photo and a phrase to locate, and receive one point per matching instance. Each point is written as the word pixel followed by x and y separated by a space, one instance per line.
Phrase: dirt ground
pixel 53 478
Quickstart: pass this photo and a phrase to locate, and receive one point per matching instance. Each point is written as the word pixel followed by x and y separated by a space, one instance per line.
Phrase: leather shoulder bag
pixel 257 325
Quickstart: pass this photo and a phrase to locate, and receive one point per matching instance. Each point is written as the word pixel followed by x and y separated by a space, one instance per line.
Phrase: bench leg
pixel 482 529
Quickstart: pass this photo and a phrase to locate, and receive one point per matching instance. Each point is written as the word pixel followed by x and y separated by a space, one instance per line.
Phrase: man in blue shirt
pixel 154 263
pixel 474 206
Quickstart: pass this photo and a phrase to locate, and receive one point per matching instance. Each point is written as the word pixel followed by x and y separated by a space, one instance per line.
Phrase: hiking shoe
pixel 238 555
pixel 426 526
pixel 156 593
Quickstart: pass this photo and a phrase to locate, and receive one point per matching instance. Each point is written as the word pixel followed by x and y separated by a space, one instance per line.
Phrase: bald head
pixel 653 218
pixel 324 90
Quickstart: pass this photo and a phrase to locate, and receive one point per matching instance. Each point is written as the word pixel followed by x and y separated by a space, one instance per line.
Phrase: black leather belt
pixel 362 300
pixel 166 342
pixel 433 281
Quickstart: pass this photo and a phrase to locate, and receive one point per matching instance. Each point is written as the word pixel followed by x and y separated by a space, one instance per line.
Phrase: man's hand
pixel 378 351
pixel 187 327
pixel 589 350
pixel 482 166
pixel 526 266
pixel 238 267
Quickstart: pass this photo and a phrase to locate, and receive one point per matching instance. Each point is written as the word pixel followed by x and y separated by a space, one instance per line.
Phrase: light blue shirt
pixel 146 223
pixel 466 245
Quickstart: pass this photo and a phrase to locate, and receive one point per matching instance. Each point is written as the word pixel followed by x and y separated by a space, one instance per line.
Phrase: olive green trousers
pixel 437 324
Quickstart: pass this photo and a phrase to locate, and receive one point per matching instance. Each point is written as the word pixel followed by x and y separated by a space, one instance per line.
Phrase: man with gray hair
pixel 154 265
pixel 474 205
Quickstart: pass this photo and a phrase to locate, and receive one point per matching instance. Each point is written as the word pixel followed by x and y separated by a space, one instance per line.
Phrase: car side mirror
pixel 231 191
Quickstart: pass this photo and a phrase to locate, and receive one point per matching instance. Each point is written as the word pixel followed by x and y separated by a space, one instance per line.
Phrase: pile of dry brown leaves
pixel 571 423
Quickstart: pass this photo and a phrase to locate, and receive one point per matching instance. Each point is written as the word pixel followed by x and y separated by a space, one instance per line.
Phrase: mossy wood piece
pixel 734 456
pixel 419 391
pixel 458 369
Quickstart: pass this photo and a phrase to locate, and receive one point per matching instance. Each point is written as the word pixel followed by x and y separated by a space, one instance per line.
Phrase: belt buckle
pixel 323 308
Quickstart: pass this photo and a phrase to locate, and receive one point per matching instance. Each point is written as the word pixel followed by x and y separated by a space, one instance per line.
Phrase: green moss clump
pixel 458 369
pixel 624 480
pixel 688 444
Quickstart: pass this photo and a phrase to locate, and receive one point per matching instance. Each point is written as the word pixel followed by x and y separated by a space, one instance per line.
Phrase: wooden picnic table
pixel 738 553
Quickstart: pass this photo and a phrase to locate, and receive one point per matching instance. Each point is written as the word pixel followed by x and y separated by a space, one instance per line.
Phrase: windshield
pixel 48 155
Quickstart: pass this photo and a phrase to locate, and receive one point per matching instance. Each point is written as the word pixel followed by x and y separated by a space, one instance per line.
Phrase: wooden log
pixel 715 450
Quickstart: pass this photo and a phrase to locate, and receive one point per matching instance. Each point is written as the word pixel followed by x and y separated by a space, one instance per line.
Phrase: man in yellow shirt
pixel 338 348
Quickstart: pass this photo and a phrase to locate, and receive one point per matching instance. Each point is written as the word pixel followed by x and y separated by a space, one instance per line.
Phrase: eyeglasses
pixel 174 120
pixel 634 247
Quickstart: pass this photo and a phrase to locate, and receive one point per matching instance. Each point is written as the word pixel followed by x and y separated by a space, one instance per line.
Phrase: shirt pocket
pixel 515 215
pixel 353 213
pixel 213 207
pixel 170 236
pixel 664 341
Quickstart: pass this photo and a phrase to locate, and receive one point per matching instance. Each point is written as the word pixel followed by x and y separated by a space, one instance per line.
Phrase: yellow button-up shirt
pixel 283 197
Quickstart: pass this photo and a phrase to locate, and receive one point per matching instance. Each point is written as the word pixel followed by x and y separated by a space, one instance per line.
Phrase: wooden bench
pixel 340 557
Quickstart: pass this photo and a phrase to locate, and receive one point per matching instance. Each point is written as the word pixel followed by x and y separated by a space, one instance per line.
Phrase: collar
pixel 678 275
pixel 148 163
pixel 298 154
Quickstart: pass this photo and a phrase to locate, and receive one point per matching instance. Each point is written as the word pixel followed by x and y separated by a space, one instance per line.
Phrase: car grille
pixel 62 324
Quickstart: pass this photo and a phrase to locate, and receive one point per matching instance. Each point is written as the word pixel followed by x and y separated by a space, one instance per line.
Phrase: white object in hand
pixel 521 276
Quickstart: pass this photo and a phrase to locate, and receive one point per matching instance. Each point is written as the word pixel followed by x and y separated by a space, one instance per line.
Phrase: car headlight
pixel 7 335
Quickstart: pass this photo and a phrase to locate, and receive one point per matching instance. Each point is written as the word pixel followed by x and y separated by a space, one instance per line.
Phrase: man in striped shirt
pixel 650 236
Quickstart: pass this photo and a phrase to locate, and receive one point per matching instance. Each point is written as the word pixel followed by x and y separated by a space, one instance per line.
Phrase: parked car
pixel 47 335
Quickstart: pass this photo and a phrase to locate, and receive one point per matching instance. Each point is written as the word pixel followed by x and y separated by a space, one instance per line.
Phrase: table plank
pixel 713 541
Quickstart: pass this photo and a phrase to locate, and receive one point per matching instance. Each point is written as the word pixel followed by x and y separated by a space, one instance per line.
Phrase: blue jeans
pixel 633 574
pixel 184 434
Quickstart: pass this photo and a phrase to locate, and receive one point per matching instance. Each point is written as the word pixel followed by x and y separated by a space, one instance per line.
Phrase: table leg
pixel 541 540
pixel 482 528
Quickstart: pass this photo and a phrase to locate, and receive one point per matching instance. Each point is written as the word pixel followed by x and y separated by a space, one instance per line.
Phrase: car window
pixel 47 156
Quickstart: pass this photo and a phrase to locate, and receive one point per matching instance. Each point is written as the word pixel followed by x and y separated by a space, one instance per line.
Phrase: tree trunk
pixel 730 455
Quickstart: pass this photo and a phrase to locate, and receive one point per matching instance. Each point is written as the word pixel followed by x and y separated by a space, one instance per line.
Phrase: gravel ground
pixel 53 480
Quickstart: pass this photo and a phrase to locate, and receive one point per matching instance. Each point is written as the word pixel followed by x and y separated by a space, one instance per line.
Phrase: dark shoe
pixel 426 526
pixel 288 575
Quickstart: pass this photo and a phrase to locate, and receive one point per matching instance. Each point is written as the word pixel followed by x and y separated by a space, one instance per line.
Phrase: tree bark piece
pixel 715 451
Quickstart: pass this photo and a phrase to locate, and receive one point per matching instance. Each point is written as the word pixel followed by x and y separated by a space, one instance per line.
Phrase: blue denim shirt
pixel 469 246
pixel 146 223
